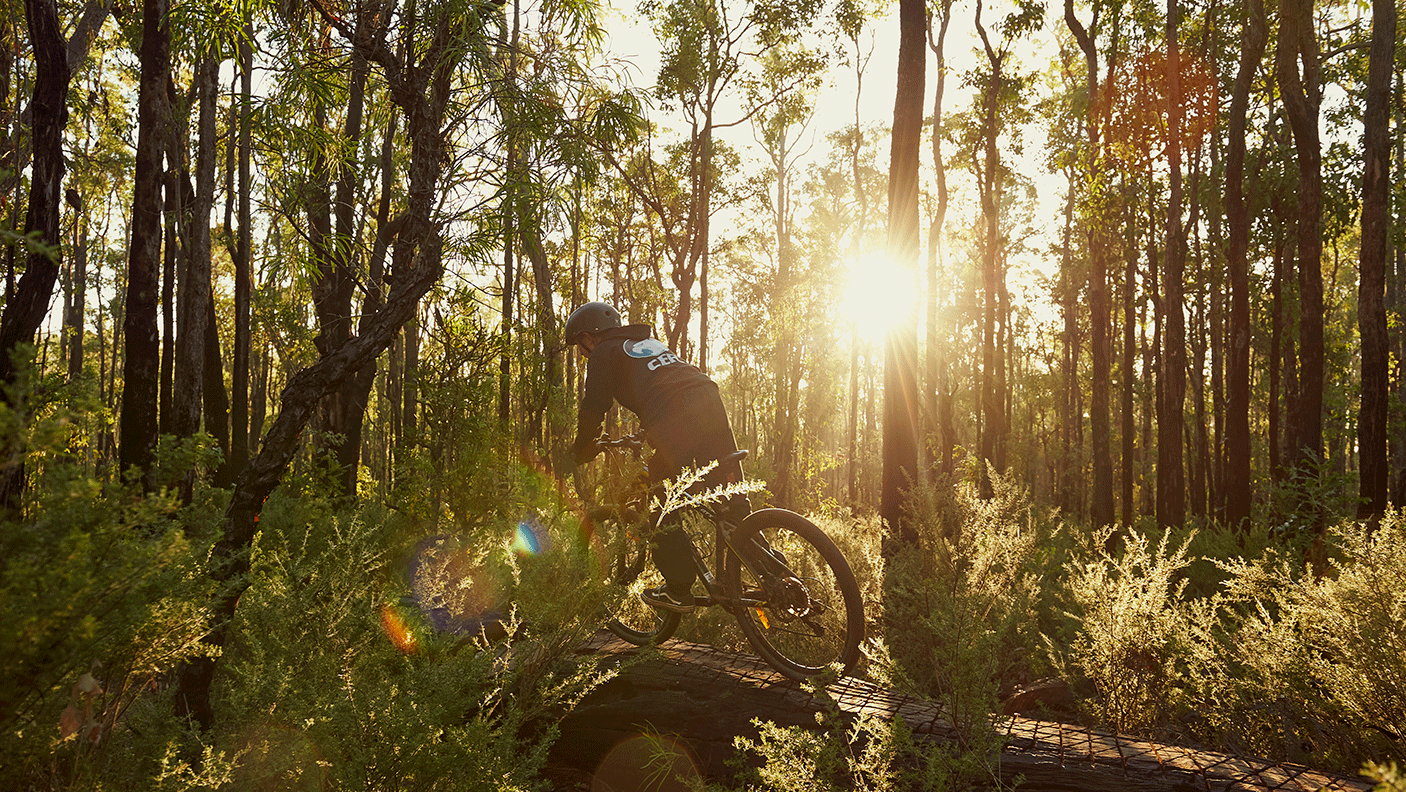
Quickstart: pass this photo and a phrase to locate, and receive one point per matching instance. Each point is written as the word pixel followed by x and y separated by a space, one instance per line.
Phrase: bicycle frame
pixel 723 529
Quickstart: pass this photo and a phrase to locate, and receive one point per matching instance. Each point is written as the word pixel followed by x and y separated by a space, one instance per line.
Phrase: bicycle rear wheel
pixel 626 564
pixel 799 604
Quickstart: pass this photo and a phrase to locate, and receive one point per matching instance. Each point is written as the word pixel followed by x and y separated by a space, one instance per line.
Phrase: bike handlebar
pixel 633 441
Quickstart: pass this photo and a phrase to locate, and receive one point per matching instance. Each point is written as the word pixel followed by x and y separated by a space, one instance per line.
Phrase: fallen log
pixel 675 711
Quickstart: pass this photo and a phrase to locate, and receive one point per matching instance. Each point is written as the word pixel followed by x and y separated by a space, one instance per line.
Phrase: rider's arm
pixel 591 416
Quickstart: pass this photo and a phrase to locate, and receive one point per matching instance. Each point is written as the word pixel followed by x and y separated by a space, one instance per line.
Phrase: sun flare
pixel 878 296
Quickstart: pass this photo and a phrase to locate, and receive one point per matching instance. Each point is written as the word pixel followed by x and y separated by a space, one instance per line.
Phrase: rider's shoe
pixel 661 598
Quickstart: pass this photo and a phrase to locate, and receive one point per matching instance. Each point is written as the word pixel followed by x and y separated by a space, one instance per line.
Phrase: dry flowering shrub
pixel 1133 630
pixel 1313 668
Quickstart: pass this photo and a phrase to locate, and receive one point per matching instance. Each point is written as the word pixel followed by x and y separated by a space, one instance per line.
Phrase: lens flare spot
pixel 398 631
pixel 527 539
pixel 647 761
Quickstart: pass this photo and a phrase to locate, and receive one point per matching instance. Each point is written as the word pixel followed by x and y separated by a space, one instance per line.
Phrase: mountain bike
pixel 784 581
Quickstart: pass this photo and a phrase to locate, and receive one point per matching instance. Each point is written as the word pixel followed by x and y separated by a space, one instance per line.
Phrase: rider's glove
pixel 585 450
pixel 563 462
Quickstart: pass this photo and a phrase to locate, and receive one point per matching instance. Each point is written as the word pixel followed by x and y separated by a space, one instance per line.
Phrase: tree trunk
pixel 1371 288
pixel 175 204
pixel 26 307
pixel 1239 495
pixel 1300 92
pixel 140 376
pixel 1100 310
pixel 78 304
pixel 901 396
pixel 243 269
pixel 992 403
pixel 216 399
pixel 343 411
pixel 1130 461
pixel 939 388
pixel 423 95
pixel 1069 470
pixel 1171 476
pixel 195 278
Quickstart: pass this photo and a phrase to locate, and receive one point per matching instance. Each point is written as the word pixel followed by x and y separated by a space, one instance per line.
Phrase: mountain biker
pixel 682 414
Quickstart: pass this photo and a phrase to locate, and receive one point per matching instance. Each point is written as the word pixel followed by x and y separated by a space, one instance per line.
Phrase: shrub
pixel 1133 633
pixel 959 609
pixel 1313 669
pixel 328 684
pixel 102 594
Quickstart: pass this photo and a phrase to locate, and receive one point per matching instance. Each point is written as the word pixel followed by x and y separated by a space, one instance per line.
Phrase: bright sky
pixel 631 40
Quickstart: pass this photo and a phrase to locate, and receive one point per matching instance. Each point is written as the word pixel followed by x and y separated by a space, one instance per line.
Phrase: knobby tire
pixel 804 623
pixel 629 570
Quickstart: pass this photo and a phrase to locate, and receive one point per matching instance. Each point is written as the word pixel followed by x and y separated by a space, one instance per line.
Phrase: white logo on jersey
pixel 646 348
pixel 663 360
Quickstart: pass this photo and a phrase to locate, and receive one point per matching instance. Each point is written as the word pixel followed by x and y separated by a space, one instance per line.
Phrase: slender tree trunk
pixel 243 269
pixel 1070 470
pixel 176 203
pixel 1371 288
pixel 140 375
pixel 901 426
pixel 410 384
pixel 78 305
pixel 938 364
pixel 1298 48
pixel 992 403
pixel 215 397
pixel 195 279
pixel 1276 358
pixel 1239 495
pixel 1130 462
pixel 1100 310
pixel 28 301
pixel 1171 477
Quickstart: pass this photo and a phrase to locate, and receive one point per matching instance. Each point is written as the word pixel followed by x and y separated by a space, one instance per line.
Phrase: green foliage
pixel 1133 629
pixel 328 683
pixel 959 609
pixel 958 605
pixel 864 754
pixel 1313 668
pixel 102 595
pixel 1387 775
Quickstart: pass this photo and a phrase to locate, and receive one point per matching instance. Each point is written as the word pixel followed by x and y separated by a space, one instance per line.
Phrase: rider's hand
pixel 584 452
pixel 563 462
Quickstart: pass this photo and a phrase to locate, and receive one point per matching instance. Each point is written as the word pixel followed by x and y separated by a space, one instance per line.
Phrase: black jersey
pixel 642 374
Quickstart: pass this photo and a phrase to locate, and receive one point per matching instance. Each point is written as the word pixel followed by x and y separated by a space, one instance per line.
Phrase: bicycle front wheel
pixel 797 599
pixel 626 565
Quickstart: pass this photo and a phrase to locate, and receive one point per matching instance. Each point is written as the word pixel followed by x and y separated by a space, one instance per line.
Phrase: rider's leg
pixel 672 552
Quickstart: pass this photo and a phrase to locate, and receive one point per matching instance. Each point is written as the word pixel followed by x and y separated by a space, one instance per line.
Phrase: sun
pixel 879 295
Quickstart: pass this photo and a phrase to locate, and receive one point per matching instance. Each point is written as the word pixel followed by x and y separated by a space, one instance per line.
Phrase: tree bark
pixel 422 92
pixel 26 307
pixel 1239 495
pixel 239 440
pixel 139 329
pixel 1171 475
pixel 1371 288
pixel 992 275
pixel 1100 310
pixel 901 394
pixel 1130 460
pixel 939 375
pixel 195 279
pixel 1298 47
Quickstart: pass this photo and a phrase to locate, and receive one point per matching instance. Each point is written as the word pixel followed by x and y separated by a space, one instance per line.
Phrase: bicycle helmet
pixel 592 317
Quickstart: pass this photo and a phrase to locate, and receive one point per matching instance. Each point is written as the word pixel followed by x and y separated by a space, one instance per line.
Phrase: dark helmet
pixel 592 317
